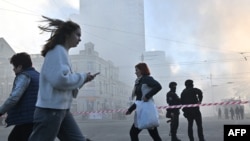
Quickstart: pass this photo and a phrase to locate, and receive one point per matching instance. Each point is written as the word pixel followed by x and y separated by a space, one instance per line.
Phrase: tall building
pixel 116 27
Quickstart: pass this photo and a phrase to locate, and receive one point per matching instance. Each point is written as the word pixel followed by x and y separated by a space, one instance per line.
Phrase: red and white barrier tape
pixel 167 107
pixel 164 107
pixel 203 104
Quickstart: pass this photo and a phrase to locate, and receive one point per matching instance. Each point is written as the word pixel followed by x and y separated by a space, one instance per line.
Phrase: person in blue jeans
pixel 58 85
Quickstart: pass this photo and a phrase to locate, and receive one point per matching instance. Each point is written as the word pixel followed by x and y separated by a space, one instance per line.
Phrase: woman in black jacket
pixel 145 88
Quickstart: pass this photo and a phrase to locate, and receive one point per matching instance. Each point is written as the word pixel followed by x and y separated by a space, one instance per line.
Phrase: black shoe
pixel 175 139
pixel 88 139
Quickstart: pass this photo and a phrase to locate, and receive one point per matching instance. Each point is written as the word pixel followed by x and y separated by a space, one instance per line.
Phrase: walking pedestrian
pixel 20 105
pixel 191 95
pixel 144 90
pixel 58 85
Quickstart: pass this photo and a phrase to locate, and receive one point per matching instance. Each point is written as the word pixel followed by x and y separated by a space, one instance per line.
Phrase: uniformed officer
pixel 173 113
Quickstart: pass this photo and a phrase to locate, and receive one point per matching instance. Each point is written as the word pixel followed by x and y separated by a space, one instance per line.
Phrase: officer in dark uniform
pixel 173 113
pixel 191 95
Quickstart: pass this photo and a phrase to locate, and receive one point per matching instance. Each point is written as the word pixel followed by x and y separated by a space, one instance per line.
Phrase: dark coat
pixel 151 83
pixel 173 99
pixel 191 95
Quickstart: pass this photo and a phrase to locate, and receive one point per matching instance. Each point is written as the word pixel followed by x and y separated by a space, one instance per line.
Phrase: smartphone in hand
pixel 94 75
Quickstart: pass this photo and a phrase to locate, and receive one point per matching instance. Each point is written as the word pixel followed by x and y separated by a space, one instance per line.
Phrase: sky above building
pixel 207 40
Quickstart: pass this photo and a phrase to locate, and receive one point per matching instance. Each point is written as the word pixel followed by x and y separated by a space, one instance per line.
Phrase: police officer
pixel 191 95
pixel 173 113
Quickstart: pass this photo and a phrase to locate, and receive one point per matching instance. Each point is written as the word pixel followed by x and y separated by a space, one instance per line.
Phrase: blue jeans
pixel 52 123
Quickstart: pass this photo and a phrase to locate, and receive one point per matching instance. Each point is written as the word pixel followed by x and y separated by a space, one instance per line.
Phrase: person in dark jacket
pixel 143 81
pixel 191 95
pixel 173 113
pixel 20 105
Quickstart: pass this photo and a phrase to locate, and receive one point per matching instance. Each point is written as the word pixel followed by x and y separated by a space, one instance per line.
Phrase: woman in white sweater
pixel 58 85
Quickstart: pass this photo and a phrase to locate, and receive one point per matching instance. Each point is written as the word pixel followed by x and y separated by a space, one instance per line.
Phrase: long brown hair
pixel 59 31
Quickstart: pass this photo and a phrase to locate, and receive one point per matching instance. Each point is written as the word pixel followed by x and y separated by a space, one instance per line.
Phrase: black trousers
pixel 174 124
pixel 21 132
pixel 198 119
pixel 134 132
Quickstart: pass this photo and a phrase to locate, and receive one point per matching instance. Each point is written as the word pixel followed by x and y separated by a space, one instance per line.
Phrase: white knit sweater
pixel 57 81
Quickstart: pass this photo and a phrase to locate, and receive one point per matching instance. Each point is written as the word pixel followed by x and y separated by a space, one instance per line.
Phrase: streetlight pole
pixel 212 93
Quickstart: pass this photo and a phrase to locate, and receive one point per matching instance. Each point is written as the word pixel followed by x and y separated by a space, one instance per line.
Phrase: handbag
pixel 147 115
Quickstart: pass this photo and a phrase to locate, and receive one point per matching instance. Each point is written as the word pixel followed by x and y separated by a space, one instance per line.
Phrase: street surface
pixel 118 130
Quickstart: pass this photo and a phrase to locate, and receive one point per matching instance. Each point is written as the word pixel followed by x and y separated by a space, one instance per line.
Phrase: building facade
pixel 106 91
pixel 7 75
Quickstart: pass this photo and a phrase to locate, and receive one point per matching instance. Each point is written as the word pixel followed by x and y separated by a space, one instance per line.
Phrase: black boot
pixel 174 138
